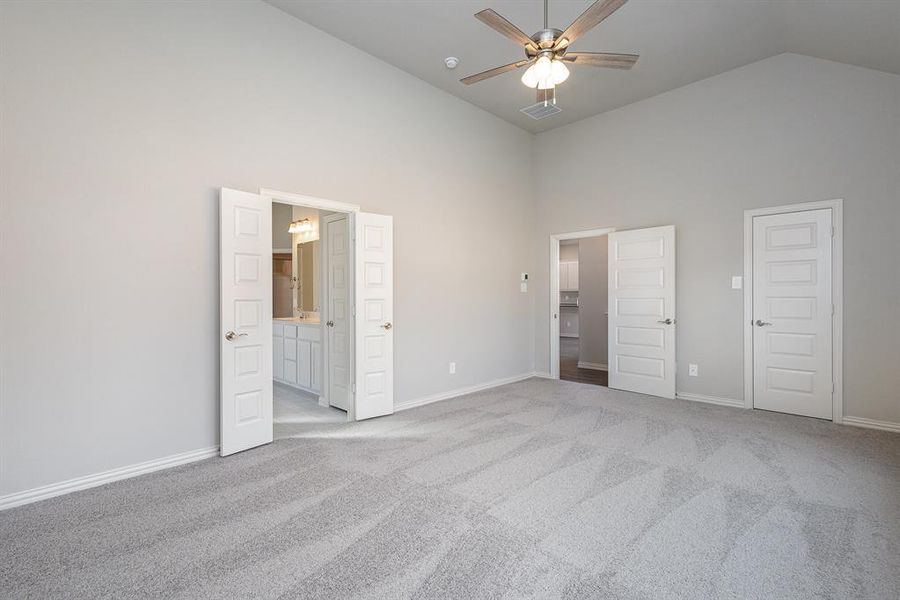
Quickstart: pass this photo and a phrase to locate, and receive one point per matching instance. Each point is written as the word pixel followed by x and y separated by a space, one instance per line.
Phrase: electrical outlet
pixel 523 287
pixel 453 368
pixel 692 370
pixel 737 282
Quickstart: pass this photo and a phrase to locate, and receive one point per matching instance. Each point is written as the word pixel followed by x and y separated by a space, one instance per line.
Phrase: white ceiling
pixel 680 41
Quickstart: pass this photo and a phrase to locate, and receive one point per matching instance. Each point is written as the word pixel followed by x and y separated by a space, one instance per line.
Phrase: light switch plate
pixel 523 287
pixel 737 282
pixel 692 370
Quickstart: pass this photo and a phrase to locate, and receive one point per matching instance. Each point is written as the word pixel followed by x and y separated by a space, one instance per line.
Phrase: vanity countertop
pixel 299 321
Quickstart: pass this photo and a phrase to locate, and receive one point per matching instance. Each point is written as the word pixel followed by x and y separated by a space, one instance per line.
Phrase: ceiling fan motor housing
pixel 544 39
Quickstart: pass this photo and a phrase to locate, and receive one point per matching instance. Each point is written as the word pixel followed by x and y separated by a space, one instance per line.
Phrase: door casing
pixel 555 239
pixel 837 294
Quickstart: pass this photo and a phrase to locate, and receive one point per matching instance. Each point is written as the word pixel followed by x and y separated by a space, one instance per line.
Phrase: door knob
pixel 667 321
pixel 231 336
pixel 329 323
pixel 387 325
pixel 761 323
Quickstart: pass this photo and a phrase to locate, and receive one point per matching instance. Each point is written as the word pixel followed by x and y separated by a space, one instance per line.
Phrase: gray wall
pixel 568 251
pixel 784 130
pixel 281 220
pixel 121 121
pixel 592 294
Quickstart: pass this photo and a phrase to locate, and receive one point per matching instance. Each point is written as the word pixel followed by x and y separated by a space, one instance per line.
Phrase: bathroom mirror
pixel 307 276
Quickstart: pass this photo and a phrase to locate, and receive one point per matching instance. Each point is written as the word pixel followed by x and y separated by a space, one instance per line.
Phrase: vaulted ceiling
pixel 680 41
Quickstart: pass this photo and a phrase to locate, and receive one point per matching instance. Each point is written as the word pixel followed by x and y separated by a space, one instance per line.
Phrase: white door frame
pixel 837 292
pixel 554 288
pixel 334 206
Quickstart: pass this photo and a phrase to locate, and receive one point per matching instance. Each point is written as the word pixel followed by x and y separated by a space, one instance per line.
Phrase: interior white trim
pixel 837 270
pixel 872 424
pixel 554 288
pixel 461 391
pixel 97 479
pixel 732 402
pixel 592 365
pixel 308 201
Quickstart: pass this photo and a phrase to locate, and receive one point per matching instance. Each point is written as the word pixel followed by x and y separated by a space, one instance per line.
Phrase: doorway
pixel 252 359
pixel 578 306
pixel 793 309
pixel 583 310
pixel 300 277
pixel 640 307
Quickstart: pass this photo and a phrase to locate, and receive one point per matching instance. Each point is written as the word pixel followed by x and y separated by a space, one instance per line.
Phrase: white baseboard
pixel 89 481
pixel 591 365
pixel 710 399
pixel 872 424
pixel 461 391
pixel 544 375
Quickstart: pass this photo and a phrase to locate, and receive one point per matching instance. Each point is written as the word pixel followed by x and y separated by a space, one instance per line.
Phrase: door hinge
pixel 833 387
pixel 353 311
pixel 832 231
pixel 353 388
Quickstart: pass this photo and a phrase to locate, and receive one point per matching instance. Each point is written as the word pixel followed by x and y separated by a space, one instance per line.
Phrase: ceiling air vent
pixel 545 106
pixel 541 110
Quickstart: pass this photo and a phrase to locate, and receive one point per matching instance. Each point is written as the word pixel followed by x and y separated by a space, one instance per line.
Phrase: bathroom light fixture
pixel 301 226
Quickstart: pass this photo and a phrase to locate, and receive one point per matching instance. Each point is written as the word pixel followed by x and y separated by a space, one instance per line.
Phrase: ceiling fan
pixel 546 52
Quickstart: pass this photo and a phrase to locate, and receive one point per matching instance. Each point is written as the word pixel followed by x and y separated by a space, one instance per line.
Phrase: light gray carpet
pixel 538 489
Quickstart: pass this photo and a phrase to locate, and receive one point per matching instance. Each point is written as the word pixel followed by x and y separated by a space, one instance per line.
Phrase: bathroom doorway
pixel 300 276
pixel 254 342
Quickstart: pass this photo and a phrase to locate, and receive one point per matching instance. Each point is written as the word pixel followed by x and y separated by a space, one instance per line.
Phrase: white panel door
pixel 245 235
pixel 374 315
pixel 642 311
pixel 792 313
pixel 337 310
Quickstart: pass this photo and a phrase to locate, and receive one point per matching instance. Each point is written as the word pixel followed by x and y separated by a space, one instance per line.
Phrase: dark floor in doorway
pixel 568 365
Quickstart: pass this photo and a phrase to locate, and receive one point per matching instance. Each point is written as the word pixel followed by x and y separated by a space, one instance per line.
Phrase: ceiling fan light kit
pixel 546 52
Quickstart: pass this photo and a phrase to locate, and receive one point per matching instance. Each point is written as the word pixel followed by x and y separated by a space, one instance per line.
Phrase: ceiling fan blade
pixel 589 19
pixel 500 24
pixel 492 72
pixel 602 59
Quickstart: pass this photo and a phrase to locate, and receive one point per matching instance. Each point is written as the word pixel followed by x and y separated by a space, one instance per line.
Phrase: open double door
pixel 246 318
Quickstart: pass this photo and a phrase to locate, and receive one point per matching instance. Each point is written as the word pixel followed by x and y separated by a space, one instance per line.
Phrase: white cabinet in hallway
pixel 297 354
pixel 568 276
